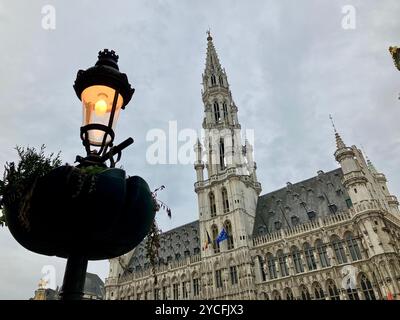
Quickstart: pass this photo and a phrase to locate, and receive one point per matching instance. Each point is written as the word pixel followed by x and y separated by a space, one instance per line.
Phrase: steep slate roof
pixel 319 196
pixel 174 245
pixel 295 204
pixel 94 285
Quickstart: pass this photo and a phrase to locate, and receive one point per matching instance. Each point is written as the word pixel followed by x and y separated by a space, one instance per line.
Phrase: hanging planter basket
pixel 98 215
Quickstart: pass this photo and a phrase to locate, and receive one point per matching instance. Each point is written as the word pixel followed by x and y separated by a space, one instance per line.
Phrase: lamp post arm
pixel 116 150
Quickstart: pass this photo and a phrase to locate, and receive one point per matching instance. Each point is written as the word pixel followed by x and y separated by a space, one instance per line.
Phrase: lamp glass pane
pixel 97 104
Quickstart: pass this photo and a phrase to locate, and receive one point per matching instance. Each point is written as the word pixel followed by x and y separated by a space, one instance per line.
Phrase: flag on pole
pixel 208 241
pixel 222 236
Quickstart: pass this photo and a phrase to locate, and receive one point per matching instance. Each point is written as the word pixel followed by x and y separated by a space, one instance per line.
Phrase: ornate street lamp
pixel 91 211
pixel 104 92
pixel 395 52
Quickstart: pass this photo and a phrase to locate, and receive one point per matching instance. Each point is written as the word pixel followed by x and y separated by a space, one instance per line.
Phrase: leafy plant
pixel 153 246
pixel 153 238
pixel 160 204
pixel 19 177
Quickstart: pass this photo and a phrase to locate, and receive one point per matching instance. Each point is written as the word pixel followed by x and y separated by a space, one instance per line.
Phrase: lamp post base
pixel 74 278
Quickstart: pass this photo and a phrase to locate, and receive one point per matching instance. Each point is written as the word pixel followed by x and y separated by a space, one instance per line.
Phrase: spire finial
pixel 209 38
pixel 333 124
pixel 339 142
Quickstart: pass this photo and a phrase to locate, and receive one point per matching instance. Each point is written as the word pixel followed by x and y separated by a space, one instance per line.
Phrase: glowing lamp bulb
pixel 100 107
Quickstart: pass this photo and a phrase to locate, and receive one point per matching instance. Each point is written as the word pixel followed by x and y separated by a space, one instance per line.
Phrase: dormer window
pixel 295 220
pixel 262 230
pixel 278 225
pixel 311 215
pixel 333 208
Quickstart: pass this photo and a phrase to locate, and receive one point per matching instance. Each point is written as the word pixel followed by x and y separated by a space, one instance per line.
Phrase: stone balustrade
pixel 301 229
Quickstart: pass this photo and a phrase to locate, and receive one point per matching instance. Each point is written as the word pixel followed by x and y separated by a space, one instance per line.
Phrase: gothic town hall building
pixel 333 236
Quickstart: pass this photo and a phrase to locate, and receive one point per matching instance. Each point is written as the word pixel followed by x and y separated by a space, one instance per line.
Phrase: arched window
pixel 214 230
pixel 213 80
pixel 332 290
pixel 262 272
pixel 225 110
pixel 339 250
pixel 366 288
pixel 228 229
pixel 276 295
pixel 288 294
pixel 305 295
pixel 271 266
pixel 218 278
pixel 323 256
pixel 221 81
pixel 298 264
pixel 264 296
pixel 308 252
pixel 217 114
pixel 283 267
pixel 352 294
pixel 318 292
pixel 222 154
pixel 175 291
pixel 354 249
pixel 213 207
pixel 225 200
pixel 196 286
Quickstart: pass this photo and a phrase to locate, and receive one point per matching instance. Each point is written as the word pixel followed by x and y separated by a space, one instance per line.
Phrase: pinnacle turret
pixel 212 60
pixel 339 142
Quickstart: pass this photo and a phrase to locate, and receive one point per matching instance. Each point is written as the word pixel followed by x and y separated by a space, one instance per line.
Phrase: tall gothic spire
pixel 212 61
pixel 339 142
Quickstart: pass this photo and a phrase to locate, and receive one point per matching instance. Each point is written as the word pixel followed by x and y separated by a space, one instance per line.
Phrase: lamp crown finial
pixel 109 58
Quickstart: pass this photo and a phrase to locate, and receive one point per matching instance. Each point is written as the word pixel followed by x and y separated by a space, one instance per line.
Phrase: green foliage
pixel 93 170
pixel 152 247
pixel 19 177
pixel 153 237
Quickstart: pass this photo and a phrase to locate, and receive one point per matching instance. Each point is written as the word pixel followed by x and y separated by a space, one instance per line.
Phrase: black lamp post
pixel 104 91
pixel 77 213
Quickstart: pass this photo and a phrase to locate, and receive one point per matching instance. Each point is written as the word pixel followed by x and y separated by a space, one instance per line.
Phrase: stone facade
pixel 333 236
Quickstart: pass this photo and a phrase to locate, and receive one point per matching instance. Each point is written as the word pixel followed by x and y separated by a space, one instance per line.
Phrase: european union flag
pixel 222 236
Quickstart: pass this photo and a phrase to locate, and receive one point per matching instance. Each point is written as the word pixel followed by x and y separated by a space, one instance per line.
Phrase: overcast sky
pixel 289 63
